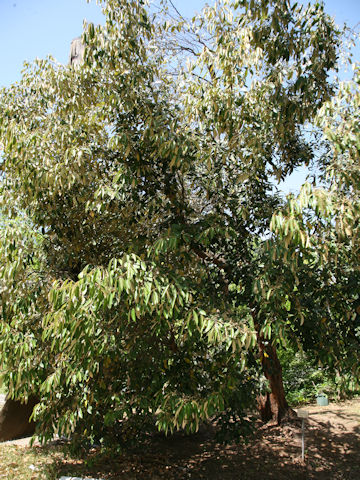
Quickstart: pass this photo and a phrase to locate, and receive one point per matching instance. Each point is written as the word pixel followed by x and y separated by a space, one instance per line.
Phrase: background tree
pixel 154 194
pixel 320 227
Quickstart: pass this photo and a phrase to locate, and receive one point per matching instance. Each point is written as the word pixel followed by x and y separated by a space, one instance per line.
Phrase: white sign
pixel 303 413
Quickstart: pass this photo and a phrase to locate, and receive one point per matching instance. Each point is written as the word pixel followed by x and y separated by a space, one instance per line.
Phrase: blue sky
pixel 36 28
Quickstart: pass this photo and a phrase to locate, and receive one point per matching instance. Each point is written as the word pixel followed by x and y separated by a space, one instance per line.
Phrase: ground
pixel 332 453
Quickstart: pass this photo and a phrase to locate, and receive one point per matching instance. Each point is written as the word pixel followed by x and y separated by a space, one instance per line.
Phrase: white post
pixel 303 439
pixel 303 414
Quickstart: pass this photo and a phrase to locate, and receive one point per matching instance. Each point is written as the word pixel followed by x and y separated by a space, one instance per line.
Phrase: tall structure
pixel 76 52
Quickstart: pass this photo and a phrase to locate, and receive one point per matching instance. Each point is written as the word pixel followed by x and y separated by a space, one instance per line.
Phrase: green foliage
pixel 3 389
pixel 153 357
pixel 154 278
pixel 303 379
pixel 320 230
pixel 23 286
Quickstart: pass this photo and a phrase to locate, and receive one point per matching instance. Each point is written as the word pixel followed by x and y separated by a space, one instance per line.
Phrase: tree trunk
pixel 273 406
pixel 14 419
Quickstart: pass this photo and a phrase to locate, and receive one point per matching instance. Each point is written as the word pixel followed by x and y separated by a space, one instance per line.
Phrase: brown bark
pixel 273 406
pixel 14 419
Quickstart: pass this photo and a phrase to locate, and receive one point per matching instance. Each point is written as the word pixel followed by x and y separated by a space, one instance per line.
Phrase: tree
pixel 321 229
pixel 152 194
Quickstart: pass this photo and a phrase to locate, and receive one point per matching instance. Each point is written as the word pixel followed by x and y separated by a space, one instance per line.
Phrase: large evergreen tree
pixel 147 183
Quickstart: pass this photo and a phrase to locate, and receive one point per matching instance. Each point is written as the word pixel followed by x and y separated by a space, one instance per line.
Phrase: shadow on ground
pixel 332 452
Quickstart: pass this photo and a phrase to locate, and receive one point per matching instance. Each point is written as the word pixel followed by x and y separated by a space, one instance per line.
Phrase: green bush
pixel 303 379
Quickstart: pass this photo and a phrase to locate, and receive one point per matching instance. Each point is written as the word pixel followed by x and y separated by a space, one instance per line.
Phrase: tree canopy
pixel 150 267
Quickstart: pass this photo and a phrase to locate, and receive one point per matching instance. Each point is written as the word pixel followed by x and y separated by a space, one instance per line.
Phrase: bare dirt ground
pixel 332 453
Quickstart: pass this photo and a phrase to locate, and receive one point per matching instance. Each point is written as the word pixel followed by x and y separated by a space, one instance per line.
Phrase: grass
pixel 28 463
pixel 42 463
pixel 50 463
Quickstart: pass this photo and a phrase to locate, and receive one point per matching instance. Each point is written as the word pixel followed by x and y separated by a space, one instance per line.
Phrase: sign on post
pixel 303 414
